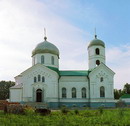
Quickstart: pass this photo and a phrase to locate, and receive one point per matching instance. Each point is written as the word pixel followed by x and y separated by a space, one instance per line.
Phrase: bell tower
pixel 96 53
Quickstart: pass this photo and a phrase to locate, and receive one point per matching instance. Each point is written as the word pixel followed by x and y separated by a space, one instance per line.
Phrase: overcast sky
pixel 70 26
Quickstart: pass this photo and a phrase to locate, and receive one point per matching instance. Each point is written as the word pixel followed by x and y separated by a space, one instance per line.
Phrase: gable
pixel 38 69
pixel 102 68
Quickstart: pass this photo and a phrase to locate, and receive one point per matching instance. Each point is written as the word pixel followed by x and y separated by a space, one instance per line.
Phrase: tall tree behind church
pixel 126 88
pixel 4 89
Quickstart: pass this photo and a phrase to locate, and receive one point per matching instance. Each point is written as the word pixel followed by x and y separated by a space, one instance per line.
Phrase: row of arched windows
pixel 43 60
pixel 83 91
pixel 39 79
pixel 73 92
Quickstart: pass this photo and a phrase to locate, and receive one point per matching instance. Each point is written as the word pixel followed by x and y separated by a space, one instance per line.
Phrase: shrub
pixel 29 110
pixel 43 111
pixel 64 110
pixel 76 111
pixel 100 109
pixel 121 104
pixel 14 108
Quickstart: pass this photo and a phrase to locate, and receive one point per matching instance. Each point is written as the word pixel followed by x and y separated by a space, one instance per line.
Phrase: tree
pixel 126 88
pixel 4 89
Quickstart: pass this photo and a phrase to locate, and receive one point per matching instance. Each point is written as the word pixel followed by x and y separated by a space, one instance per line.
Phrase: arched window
pixel 97 51
pixel 63 92
pixel 97 62
pixel 33 60
pixel 42 59
pixel 39 78
pixel 83 92
pixel 102 91
pixel 35 79
pixel 73 92
pixel 52 60
pixel 101 79
pixel 43 79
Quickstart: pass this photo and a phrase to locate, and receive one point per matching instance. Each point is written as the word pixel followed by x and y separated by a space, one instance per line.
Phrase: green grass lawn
pixel 112 117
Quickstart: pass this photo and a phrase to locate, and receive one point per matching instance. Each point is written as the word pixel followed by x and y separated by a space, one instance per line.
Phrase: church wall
pixel 107 83
pixel 49 87
pixel 73 81
pixel 15 95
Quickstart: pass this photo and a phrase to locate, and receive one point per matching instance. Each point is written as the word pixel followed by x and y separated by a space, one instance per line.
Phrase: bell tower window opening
pixel 97 62
pixel 97 51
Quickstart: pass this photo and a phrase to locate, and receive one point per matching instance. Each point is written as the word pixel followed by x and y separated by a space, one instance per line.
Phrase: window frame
pixel 42 59
pixel 102 92
pixel 35 79
pixel 52 60
pixel 74 92
pixel 97 51
pixel 39 78
pixel 97 62
pixel 64 92
pixel 84 94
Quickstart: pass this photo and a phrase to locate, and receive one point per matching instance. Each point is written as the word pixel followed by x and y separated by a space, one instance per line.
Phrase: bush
pixel 100 109
pixel 14 108
pixel 43 111
pixel 64 110
pixel 76 111
pixel 29 110
pixel 121 104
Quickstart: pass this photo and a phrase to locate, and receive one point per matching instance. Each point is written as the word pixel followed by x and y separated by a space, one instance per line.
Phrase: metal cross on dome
pixel 45 38
pixel 95 34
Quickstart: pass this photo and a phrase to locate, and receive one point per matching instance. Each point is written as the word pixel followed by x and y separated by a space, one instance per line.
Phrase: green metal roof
pixel 96 42
pixel 125 96
pixel 70 72
pixel 74 73
pixel 54 69
pixel 45 47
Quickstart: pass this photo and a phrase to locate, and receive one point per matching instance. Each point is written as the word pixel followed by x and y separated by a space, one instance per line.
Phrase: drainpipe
pixel 58 93
pixel 89 97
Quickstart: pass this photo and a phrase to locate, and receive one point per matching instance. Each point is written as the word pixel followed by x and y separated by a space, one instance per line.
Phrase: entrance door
pixel 39 95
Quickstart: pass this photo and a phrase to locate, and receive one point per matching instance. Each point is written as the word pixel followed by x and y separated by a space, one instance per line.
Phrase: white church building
pixel 44 82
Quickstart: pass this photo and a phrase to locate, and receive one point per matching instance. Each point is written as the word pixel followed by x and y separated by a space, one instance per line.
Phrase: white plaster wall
pixel 15 95
pixel 49 87
pixel 47 59
pixel 73 81
pixel 95 85
pixel 92 57
pixel 125 99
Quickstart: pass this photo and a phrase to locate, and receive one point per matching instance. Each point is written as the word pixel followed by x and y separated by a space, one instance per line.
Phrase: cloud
pixel 22 24
pixel 21 29
pixel 118 59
